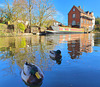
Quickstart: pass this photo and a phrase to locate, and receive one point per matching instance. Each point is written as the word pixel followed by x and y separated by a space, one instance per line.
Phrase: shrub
pixel 97 28
pixel 21 27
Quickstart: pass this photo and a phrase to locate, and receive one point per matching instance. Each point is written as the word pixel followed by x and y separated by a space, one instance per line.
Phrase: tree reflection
pixel 97 39
pixel 30 49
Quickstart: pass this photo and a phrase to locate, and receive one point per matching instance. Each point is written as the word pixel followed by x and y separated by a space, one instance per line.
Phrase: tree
pixel 38 12
pixel 20 10
pixel 8 12
pixel 42 13
pixel 2 13
pixel 21 27
pixel 97 20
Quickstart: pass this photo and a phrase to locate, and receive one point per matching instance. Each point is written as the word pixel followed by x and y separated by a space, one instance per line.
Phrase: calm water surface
pixel 80 65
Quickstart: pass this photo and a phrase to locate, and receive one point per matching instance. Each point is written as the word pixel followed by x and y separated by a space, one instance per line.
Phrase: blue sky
pixel 64 6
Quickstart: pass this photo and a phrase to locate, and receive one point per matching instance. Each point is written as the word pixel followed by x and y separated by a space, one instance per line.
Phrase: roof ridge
pixel 81 10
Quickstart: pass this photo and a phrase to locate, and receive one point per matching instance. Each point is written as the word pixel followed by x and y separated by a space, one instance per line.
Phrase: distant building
pixel 25 22
pixel 78 18
pixel 56 23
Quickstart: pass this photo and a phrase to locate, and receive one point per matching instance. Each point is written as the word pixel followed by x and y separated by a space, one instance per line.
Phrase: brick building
pixel 78 18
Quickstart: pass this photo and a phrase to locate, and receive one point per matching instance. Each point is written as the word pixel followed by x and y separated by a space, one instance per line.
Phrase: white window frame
pixel 90 22
pixel 73 22
pixel 73 9
pixel 74 15
pixel 81 20
pixel 85 21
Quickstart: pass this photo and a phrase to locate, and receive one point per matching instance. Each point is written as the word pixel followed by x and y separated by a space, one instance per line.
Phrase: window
pixel 82 20
pixel 90 22
pixel 73 9
pixel 85 21
pixel 73 22
pixel 74 15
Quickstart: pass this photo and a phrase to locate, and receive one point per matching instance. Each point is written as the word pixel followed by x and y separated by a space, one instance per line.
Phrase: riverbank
pixel 5 32
pixel 14 34
pixel 9 32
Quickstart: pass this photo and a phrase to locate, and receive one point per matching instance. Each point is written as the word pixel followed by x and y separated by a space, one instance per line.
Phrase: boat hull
pixel 65 30
pixel 61 32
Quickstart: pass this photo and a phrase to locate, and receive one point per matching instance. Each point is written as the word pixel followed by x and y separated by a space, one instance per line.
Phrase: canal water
pixel 79 66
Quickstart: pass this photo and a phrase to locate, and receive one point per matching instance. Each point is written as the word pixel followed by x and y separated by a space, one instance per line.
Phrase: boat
pixel 66 30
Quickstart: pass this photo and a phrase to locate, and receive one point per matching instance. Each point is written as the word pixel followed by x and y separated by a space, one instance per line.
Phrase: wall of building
pixel 83 19
pixel 86 22
pixel 77 16
pixel 93 23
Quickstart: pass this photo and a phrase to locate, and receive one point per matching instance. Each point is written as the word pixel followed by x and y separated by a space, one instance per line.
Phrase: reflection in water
pixel 33 85
pixel 58 61
pixel 97 39
pixel 35 49
pixel 78 43
pixel 21 49
pixel 74 49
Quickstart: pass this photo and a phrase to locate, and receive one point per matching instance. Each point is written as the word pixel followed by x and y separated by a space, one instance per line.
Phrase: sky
pixel 64 6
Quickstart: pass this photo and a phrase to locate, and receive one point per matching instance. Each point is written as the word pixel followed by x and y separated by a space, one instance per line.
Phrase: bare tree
pixel 8 11
pixel 43 12
pixel 38 12
pixel 2 13
pixel 20 10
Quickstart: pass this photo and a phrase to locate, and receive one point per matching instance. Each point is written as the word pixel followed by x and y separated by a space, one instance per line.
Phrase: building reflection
pixel 78 43
pixel 74 48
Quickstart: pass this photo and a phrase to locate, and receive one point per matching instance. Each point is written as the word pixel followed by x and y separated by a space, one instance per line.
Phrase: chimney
pixel 79 6
pixel 87 12
pixel 91 13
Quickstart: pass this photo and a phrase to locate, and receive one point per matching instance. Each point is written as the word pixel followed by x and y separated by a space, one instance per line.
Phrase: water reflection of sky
pixel 79 65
